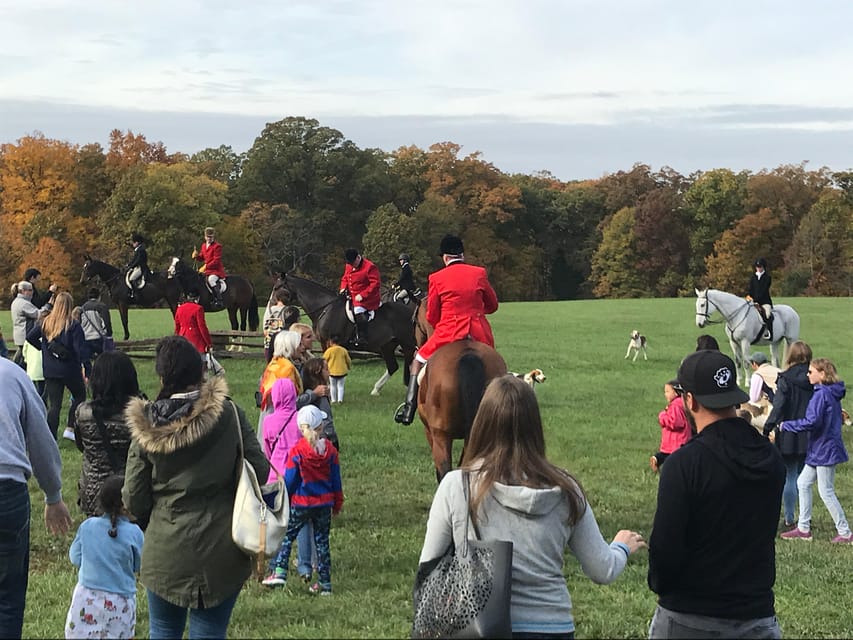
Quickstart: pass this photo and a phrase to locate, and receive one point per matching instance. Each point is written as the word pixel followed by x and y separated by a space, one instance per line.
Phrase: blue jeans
pixel 14 556
pixel 167 620
pixel 672 624
pixel 793 467
pixel 825 477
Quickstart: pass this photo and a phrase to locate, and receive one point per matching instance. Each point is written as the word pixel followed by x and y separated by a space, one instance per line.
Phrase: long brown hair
pixel 59 318
pixel 827 368
pixel 507 445
pixel 798 353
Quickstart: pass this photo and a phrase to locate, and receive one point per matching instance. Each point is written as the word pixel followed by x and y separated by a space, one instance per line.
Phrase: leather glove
pixel 342 294
pixel 195 254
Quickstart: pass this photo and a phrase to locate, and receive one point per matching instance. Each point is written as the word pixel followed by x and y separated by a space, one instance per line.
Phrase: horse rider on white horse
pixel 759 294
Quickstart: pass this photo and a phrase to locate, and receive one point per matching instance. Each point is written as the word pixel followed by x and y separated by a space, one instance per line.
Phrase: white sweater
pixel 535 521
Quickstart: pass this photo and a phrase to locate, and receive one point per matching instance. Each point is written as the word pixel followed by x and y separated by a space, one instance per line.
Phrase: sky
pixel 578 88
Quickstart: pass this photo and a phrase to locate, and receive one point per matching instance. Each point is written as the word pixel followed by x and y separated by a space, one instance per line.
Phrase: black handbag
pixel 466 592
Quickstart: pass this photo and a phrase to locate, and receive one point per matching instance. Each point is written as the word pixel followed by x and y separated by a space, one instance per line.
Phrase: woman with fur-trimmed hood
pixel 181 479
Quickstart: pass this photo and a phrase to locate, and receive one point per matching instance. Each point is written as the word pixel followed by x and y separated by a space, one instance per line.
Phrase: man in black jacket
pixel 712 556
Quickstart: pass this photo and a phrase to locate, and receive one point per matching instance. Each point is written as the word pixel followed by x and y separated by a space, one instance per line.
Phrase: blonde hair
pixel 59 318
pixel 312 436
pixel 798 353
pixel 304 329
pixel 827 368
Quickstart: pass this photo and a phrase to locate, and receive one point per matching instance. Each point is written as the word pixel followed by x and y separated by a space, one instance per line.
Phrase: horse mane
pixel 323 287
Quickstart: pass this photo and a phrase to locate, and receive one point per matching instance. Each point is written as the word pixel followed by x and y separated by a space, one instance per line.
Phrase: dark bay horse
pixel 157 287
pixel 239 294
pixel 450 392
pixel 391 326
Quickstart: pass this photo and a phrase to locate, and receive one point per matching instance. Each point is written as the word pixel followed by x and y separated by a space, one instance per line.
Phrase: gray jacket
pixel 24 315
pixel 535 521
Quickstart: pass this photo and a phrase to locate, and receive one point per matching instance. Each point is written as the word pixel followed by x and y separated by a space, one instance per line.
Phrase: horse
pixel 744 325
pixel 449 395
pixel 390 327
pixel 157 287
pixel 239 294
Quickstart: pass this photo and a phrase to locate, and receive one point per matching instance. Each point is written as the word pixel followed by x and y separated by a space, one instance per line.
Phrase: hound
pixel 637 344
pixel 533 377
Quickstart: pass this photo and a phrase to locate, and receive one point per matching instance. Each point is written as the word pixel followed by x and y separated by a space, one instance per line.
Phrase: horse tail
pixel 254 321
pixel 471 376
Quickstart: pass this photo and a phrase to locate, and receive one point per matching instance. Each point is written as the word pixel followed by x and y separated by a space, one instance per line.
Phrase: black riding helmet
pixel 137 237
pixel 451 245
pixel 760 262
pixel 404 256
pixel 350 255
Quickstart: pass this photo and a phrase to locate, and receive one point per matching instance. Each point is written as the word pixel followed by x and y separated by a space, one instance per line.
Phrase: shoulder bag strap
pixel 239 431
pixel 467 492
pixel 108 446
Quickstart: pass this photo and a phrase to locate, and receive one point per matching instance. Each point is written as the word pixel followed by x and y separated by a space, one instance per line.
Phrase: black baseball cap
pixel 711 377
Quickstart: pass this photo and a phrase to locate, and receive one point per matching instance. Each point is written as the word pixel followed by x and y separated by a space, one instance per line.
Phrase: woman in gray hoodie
pixel 518 495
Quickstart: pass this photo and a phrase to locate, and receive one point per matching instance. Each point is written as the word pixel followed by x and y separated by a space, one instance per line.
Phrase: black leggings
pixel 53 391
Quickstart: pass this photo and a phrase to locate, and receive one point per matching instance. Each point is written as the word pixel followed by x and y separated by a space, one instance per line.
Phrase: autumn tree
pixel 168 204
pixel 756 234
pixel 661 241
pixel 714 203
pixel 820 258
pixel 614 271
pixel 128 150
pixel 37 190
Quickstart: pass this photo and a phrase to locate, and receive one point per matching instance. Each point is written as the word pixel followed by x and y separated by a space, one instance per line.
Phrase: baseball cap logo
pixel 723 377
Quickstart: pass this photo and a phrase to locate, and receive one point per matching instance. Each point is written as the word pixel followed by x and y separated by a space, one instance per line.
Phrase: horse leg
pixel 736 357
pixel 377 388
pixel 442 450
pixel 122 311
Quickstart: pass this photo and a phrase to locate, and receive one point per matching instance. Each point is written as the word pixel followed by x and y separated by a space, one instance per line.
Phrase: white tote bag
pixel 261 512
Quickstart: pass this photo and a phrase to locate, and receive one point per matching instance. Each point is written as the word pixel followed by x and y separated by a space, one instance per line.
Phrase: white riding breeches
pixel 133 276
pixel 358 309
pixel 213 281
pixel 768 309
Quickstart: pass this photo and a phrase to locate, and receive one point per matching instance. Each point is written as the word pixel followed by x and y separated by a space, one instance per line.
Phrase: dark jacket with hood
pixel 181 476
pixel 712 549
pixel 823 424
pixel 75 351
pixel 793 392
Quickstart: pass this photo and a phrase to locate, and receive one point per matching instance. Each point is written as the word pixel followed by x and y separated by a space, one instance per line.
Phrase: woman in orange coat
pixel 458 300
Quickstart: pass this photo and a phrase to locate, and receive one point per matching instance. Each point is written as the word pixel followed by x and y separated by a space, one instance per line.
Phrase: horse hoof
pixel 375 392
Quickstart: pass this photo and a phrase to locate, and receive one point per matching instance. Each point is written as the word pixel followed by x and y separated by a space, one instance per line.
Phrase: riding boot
pixel 360 339
pixel 406 411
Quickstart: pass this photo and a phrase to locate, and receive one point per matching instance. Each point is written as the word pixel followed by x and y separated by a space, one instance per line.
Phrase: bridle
pixel 308 312
pixel 707 314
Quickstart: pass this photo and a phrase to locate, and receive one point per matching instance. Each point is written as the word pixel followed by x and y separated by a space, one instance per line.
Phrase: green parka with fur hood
pixel 182 477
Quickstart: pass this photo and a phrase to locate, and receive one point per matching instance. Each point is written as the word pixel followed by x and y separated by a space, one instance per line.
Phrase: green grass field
pixel 600 415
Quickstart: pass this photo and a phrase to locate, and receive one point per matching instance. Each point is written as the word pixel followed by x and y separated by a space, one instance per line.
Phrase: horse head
pixel 704 308
pixel 87 274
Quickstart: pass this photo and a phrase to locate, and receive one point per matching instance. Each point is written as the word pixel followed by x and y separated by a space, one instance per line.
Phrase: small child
pixel 339 366
pixel 108 551
pixel 313 479
pixel 315 372
pixel 675 430
pixel 274 320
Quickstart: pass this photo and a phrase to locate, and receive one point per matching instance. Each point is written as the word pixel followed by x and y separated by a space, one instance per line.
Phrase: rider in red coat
pixel 190 323
pixel 458 300
pixel 211 253
pixel 361 279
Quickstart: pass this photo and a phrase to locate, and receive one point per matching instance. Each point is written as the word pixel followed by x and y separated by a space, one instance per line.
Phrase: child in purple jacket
pixel 825 451
pixel 280 429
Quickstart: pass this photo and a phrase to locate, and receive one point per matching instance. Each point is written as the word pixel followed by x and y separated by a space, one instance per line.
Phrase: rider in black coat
pixel 759 293
pixel 138 266
pixel 406 281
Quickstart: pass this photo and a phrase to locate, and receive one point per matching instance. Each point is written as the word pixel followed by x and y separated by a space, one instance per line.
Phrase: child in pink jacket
pixel 675 430
pixel 281 431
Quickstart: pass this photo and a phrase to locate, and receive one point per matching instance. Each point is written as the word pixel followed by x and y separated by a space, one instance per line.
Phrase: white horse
pixel 745 327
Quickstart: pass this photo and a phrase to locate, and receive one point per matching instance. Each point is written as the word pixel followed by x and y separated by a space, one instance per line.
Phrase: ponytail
pixel 110 499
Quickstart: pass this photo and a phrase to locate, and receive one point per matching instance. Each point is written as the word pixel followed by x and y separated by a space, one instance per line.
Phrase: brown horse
pixel 453 384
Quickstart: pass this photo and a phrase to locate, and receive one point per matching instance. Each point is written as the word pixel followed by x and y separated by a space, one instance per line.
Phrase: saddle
pixel 351 315
pixel 767 323
pixel 222 285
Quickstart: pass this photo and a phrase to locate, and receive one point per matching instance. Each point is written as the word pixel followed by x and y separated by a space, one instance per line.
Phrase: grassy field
pixel 600 415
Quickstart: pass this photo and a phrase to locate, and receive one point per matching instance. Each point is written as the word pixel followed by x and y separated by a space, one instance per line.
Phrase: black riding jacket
pixel 759 289
pixel 406 280
pixel 140 259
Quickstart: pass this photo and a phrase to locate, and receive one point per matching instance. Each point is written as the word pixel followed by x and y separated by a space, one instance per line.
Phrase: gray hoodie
pixel 535 521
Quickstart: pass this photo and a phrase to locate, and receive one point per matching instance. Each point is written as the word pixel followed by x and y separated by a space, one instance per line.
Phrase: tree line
pixel 303 193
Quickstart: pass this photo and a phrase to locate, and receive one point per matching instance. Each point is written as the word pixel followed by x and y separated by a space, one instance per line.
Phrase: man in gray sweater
pixel 27 447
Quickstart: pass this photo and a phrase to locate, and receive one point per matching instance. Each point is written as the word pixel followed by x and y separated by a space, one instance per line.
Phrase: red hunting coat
pixel 363 281
pixel 190 323
pixel 212 256
pixel 458 300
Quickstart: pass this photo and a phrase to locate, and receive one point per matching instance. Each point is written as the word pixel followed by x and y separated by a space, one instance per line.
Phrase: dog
pixel 637 344
pixel 532 378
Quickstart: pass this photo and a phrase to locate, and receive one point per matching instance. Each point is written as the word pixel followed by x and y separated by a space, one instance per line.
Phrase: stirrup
pixel 405 414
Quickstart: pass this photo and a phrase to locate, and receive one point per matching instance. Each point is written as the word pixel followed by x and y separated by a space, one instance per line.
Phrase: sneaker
pixel 277 578
pixel 326 593
pixel 317 589
pixel 653 463
pixel 843 539
pixel 306 578
pixel 68 434
pixel 797 534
